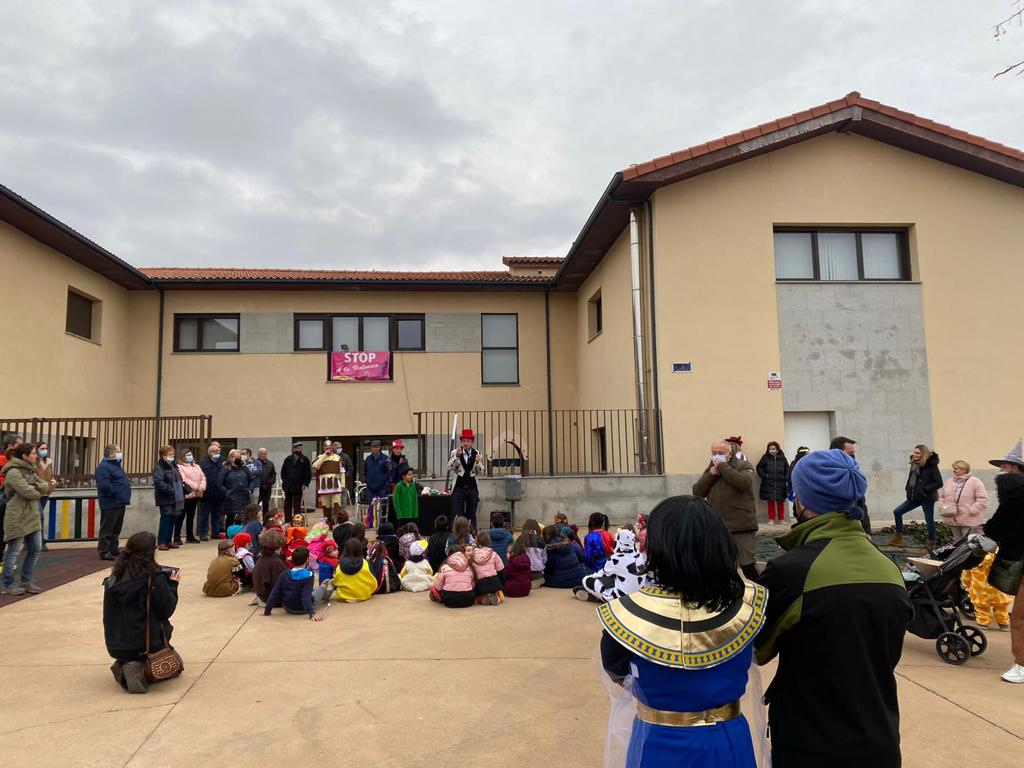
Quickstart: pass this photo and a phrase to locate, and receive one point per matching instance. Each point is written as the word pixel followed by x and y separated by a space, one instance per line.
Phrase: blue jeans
pixel 209 517
pixel 43 502
pixel 166 530
pixel 929 515
pixel 35 543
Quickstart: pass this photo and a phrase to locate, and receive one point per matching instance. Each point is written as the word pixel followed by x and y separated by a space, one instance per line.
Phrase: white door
pixel 810 428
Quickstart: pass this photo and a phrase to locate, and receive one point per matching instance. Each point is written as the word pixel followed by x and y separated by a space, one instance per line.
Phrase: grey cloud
pixel 409 135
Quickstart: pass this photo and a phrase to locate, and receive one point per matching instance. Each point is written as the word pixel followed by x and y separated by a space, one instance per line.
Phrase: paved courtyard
pixel 395 681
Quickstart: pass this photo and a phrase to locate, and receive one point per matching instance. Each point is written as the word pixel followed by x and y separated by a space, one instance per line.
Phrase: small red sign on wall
pixel 774 381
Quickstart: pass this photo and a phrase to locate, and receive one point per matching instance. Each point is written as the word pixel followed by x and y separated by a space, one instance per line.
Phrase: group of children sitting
pixel 295 568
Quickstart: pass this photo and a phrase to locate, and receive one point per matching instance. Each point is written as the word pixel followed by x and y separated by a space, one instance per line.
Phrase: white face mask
pixel 772 451
pixel 718 458
pixel 189 459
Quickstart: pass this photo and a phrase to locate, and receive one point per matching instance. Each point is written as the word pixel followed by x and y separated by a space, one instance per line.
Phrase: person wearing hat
pixel 728 485
pixel 330 481
pixel 837 613
pixel 296 475
pixel 1006 526
pixel 685 642
pixel 849 445
pixel 396 460
pixel 221 576
pixel 375 473
pixel 466 463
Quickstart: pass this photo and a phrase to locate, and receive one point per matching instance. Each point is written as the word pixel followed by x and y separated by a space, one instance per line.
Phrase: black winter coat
pixel 296 473
pixel 124 614
pixel 213 470
pixel 1007 525
pixel 234 486
pixel 165 478
pixel 774 474
pixel 925 485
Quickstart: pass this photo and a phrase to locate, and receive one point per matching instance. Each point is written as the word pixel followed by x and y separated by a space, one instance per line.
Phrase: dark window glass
pixel 79 316
pixel 206 333
pixel 409 333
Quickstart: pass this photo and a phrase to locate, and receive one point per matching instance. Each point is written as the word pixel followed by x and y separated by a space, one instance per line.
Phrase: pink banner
pixel 360 366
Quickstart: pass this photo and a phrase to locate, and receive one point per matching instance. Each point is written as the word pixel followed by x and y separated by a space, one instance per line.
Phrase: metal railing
pixel 76 444
pixel 560 442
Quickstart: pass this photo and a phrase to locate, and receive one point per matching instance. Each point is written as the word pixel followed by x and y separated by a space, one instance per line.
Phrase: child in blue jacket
pixel 594 551
pixel 295 588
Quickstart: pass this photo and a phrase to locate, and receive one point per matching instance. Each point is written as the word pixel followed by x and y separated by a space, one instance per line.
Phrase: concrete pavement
pixel 395 681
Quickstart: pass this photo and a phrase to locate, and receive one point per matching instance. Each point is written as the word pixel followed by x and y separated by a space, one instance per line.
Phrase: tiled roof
pixel 525 261
pixel 332 275
pixel 853 99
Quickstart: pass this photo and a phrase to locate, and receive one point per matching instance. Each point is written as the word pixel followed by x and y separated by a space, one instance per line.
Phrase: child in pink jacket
pixel 488 570
pixel 454 585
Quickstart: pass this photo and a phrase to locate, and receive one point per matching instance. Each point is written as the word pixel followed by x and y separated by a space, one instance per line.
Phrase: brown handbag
pixel 163 664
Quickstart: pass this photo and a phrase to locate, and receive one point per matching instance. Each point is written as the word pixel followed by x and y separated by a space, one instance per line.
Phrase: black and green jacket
pixel 837 612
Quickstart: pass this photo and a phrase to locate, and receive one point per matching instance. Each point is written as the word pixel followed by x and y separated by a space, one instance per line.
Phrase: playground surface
pixel 395 681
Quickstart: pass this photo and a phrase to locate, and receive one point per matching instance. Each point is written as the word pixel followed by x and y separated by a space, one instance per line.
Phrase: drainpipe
pixel 638 342
pixel 159 370
pixel 551 419
pixel 653 315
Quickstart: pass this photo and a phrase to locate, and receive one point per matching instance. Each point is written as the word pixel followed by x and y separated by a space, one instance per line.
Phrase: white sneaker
pixel 1014 674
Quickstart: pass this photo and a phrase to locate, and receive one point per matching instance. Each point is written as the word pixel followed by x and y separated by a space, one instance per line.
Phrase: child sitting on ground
pixel 386 537
pixel 565 568
pixel 641 533
pixel 460 536
pixel 623 573
pixel 242 541
pixel 536 550
pixel 437 545
pixel 295 537
pixel 488 570
pixel 382 562
pixel 274 519
pixel 269 566
pixel 233 530
pixel 252 524
pixel 343 529
pixel 593 545
pixel 294 588
pixel 501 536
pixel 327 563
pixel 353 580
pixel 359 534
pixel 454 585
pixel 519 571
pixel 416 574
pixel 407 534
pixel 220 576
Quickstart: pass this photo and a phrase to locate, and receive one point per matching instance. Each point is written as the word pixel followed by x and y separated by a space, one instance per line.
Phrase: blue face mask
pixel 189 459
pixel 215 456
pixel 43 453
pixel 118 456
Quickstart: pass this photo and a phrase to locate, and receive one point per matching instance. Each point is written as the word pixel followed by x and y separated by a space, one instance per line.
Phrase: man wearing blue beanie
pixel 837 612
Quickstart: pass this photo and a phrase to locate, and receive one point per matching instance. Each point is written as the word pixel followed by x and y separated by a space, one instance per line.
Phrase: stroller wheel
pixel 976 638
pixel 952 648
pixel 967 607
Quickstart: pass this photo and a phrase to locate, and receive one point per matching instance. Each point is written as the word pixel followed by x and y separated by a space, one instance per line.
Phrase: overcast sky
pixel 433 134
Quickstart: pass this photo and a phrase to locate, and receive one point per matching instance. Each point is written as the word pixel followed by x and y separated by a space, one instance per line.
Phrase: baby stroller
pixel 937 597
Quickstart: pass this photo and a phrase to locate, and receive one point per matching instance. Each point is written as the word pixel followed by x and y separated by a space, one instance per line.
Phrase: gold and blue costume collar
pixel 655 623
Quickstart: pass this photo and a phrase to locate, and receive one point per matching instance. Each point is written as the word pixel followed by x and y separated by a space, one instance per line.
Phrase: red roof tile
pixel 850 100
pixel 332 275
pixel 510 261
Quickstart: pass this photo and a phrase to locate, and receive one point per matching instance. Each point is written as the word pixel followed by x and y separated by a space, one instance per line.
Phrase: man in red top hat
pixel 396 459
pixel 466 463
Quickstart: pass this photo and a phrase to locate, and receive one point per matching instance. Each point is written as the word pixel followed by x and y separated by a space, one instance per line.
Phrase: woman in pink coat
pixel 966 496
pixel 193 478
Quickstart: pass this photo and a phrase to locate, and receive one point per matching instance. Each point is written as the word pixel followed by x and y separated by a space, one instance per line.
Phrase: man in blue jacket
pixel 375 473
pixel 115 493
pixel 213 498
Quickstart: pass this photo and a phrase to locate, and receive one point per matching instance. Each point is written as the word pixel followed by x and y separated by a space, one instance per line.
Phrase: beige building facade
pixel 849 270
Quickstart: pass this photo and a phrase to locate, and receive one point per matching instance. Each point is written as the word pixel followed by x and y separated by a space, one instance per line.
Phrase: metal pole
pixel 551 431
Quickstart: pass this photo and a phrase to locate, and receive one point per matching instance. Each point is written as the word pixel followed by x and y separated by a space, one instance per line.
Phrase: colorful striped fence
pixel 70 519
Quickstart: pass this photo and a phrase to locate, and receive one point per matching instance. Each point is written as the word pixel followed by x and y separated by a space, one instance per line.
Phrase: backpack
pixel 383 569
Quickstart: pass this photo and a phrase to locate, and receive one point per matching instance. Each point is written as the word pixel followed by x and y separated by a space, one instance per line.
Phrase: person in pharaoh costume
pixel 330 482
